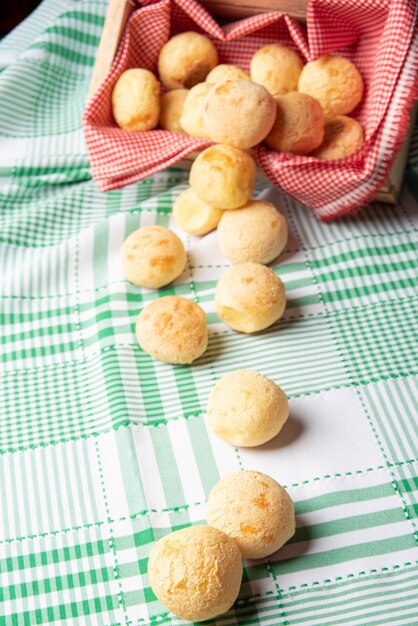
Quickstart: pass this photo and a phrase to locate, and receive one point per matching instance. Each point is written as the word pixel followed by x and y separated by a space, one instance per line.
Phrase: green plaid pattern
pixel 389 270
pixel 63 578
pixel 407 484
pixel 38 333
pixel 397 396
pixel 379 342
pixel 104 450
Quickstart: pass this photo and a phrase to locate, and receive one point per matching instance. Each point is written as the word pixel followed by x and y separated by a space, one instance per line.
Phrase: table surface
pixel 104 450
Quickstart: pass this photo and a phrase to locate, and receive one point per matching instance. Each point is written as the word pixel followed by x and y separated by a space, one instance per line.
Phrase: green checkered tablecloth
pixel 104 450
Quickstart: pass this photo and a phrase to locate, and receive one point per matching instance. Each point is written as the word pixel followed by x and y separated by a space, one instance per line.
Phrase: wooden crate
pixel 235 9
pixel 117 16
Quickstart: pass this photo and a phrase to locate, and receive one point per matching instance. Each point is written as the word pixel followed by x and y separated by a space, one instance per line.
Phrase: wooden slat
pixel 243 8
pixel 391 187
pixel 117 15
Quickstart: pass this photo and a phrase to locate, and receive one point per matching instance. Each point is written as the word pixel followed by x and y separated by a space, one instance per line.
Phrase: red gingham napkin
pixel 379 36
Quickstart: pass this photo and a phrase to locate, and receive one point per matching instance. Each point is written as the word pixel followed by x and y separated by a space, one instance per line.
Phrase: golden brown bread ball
pixel 256 233
pixel 277 68
pixel 238 113
pixel 254 510
pixel 246 408
pixel 171 109
pixel 343 136
pixel 136 100
pixel 223 176
pixel 186 59
pixel 299 124
pixel 226 71
pixel 335 82
pixel 249 297
pixel 191 120
pixel 172 329
pixel 153 256
pixel 196 572
pixel 193 215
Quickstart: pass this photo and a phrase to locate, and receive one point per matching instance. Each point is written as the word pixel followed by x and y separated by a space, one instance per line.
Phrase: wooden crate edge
pixel 117 15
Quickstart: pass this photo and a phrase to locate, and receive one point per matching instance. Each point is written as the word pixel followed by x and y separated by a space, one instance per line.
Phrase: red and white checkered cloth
pixel 379 36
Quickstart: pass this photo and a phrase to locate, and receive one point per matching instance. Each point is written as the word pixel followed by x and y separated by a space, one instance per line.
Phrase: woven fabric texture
pixel 104 450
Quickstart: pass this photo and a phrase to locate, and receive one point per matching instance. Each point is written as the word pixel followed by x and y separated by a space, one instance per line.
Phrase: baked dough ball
pixel 249 297
pixel 172 329
pixel 239 113
pixel 299 124
pixel 186 59
pixel 191 119
pixel 226 71
pixel 171 109
pixel 223 176
pixel 256 233
pixel 193 215
pixel 343 136
pixel 254 510
pixel 153 256
pixel 277 68
pixel 335 82
pixel 246 408
pixel 196 572
pixel 136 100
